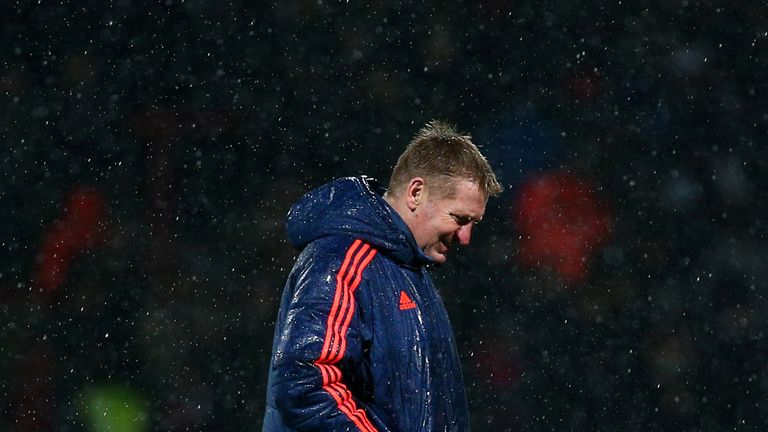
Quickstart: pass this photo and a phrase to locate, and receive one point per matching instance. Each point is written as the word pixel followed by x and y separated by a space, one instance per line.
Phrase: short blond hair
pixel 442 155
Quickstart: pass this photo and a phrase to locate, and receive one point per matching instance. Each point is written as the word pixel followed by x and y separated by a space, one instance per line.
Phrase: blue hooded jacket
pixel 362 341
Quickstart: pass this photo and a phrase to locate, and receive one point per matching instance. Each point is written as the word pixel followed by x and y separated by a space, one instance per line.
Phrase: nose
pixel 464 234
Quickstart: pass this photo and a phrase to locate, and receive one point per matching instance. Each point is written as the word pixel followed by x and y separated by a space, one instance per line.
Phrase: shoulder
pixel 337 252
pixel 332 262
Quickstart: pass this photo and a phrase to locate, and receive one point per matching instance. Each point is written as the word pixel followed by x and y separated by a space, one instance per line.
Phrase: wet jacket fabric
pixel 362 341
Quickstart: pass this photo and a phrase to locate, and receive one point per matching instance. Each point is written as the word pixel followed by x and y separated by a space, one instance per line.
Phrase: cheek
pixel 441 230
pixel 442 233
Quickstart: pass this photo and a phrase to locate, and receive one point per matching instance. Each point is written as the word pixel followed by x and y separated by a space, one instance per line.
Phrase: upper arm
pixel 319 332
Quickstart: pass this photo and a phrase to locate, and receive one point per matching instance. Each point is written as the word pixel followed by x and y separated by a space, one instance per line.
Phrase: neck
pixel 398 205
pixel 391 201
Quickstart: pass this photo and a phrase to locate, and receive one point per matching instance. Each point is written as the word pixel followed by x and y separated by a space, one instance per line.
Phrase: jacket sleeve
pixel 319 333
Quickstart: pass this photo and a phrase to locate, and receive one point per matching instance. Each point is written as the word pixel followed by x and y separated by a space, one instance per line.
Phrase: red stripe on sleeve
pixel 347 303
pixel 347 406
pixel 351 309
pixel 339 308
pixel 348 278
pixel 336 299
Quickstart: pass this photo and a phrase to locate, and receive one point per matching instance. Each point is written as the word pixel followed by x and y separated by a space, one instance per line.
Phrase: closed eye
pixel 463 220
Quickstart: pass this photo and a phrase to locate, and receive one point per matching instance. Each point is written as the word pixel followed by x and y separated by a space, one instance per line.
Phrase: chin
pixel 438 258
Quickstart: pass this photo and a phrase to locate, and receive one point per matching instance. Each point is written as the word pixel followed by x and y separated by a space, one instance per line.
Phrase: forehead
pixel 467 200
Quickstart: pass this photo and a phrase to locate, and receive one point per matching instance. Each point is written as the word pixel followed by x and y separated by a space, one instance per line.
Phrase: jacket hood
pixel 353 206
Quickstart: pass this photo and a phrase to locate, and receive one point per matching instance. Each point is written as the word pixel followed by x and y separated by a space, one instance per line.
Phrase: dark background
pixel 150 151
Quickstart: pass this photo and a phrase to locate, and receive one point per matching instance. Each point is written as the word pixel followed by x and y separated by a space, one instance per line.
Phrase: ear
pixel 416 193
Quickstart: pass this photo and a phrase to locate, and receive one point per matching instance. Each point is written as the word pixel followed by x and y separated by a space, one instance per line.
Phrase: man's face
pixel 441 221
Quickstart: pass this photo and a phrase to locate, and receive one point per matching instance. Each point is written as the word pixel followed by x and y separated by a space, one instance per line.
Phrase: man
pixel 362 341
